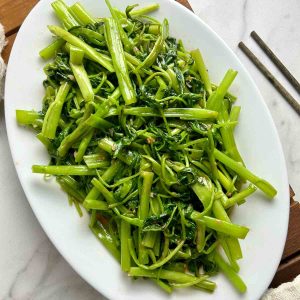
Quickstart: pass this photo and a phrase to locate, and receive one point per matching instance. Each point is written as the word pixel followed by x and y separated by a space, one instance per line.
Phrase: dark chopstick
pixel 293 81
pixel 279 87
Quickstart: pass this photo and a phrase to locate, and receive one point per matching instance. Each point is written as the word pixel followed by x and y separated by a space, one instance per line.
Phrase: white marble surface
pixel 30 267
pixel 277 22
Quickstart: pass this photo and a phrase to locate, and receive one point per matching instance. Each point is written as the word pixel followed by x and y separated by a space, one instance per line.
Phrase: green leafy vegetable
pixel 140 137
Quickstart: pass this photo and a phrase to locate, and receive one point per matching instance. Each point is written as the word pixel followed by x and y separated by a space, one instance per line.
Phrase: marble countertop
pixel 30 266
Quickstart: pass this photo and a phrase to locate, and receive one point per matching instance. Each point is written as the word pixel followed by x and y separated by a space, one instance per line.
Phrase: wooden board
pixel 13 13
pixel 293 238
pixel 289 266
pixel 287 271
pixel 185 3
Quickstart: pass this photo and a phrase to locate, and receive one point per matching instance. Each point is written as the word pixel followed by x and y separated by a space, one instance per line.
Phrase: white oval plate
pixel 256 137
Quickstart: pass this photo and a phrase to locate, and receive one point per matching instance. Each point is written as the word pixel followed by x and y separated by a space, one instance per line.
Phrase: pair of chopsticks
pixel 279 87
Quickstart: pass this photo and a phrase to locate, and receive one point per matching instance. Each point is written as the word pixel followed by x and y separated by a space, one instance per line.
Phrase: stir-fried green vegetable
pixel 140 137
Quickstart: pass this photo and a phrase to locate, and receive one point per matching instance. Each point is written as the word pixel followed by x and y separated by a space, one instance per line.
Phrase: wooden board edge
pixel 292 245
pixel 185 3
pixel 286 271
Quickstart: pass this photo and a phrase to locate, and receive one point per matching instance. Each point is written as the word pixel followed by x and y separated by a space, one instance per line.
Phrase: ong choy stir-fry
pixel 141 139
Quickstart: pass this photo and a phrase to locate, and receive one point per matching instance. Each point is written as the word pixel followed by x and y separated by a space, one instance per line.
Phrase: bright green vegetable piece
pixel 115 47
pixel 230 274
pixel 52 49
pixel 63 170
pixel 90 52
pixel 125 255
pixel 227 228
pixel 80 14
pixel 150 59
pixel 76 58
pixel 52 116
pixel 197 56
pixel 27 117
pixel 262 184
pixel 144 10
pixel 62 12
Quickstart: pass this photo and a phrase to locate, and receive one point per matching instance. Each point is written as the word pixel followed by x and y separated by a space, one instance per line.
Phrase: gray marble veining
pixel 30 266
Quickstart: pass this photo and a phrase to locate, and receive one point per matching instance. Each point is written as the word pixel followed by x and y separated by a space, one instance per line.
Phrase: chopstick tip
pixel 255 36
pixel 241 45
